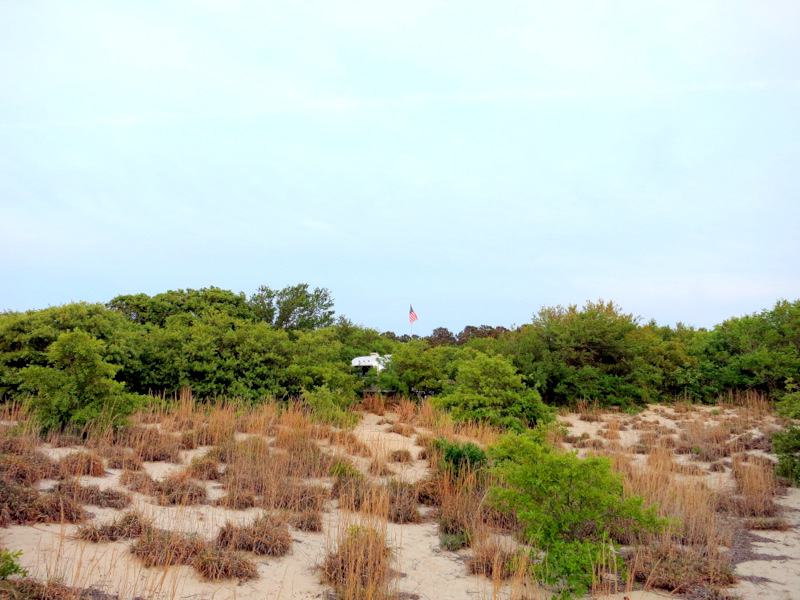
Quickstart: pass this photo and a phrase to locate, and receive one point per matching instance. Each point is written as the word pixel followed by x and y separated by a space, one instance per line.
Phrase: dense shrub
pixel 77 389
pixel 786 445
pixel 570 508
pixel 459 456
pixel 488 389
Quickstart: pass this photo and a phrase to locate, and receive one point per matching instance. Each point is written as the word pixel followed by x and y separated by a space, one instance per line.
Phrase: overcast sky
pixel 478 160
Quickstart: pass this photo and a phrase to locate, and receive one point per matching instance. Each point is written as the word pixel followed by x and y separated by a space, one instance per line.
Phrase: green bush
pixel 78 388
pixel 488 389
pixel 457 456
pixel 789 406
pixel 9 565
pixel 786 445
pixel 569 507
pixel 326 407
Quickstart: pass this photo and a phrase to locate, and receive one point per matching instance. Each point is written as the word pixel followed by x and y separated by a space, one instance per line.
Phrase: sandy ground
pixel 423 569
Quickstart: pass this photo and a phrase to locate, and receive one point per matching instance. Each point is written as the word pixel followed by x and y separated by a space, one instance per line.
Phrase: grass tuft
pixel 81 463
pixel 268 535
pixel 214 563
pixel 359 567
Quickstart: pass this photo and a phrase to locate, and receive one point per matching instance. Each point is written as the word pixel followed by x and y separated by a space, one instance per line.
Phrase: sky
pixel 477 160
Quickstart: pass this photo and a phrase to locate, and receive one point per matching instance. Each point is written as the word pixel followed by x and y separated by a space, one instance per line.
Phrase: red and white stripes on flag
pixel 412 316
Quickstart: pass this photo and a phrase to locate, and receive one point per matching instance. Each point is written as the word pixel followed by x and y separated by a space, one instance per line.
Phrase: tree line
pixel 289 342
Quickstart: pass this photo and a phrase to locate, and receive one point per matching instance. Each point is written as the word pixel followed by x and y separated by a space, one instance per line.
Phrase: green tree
pixel 595 353
pixel 143 309
pixel 294 307
pixel 77 389
pixel 755 352
pixel 26 336
pixel 488 389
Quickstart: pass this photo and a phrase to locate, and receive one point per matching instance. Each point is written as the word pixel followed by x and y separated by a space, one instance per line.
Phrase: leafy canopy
pixel 77 389
pixel 488 389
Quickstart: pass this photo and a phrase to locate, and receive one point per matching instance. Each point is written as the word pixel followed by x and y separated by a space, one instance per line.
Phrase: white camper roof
pixel 373 360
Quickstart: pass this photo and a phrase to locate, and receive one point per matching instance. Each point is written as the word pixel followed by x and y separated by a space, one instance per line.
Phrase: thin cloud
pixel 350 103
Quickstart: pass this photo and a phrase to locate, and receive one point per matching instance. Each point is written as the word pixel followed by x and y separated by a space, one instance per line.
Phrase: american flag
pixel 412 316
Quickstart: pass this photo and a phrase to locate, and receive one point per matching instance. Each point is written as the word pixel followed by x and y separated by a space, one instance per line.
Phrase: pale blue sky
pixel 479 160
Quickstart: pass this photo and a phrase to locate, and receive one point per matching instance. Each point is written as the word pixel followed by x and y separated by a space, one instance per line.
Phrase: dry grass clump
pixel 379 468
pixel 214 563
pixel 359 567
pixel 756 486
pixel 92 494
pixel 204 468
pixel 307 520
pixel 221 426
pixel 677 568
pixel 60 439
pixel 252 449
pixel 261 420
pixel 56 508
pixel 593 443
pixel 374 403
pixel 138 481
pixel 236 500
pixel 349 442
pixel 296 497
pixel 150 445
pixel 493 560
pixel 21 505
pixel 121 458
pixel 18 444
pixel 355 493
pixel 400 456
pixel 302 457
pixel 403 506
pixel 31 589
pixel 689 504
pixel 402 429
pixel 589 412
pixel 27 468
pixel 179 490
pixel 267 535
pixel 128 526
pixel 766 524
pixel 81 463
pixel 167 548
pixel 406 410
pixel 459 514
pixel 429 490
pixel 704 442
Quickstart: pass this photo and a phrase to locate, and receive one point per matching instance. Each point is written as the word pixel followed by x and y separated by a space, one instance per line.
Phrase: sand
pixel 423 570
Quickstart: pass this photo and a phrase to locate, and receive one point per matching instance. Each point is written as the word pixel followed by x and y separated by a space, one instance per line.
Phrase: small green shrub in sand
pixel 570 508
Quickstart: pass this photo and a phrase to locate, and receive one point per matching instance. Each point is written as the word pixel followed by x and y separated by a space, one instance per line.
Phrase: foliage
pixel 569 507
pixel 293 307
pixel 594 354
pixel 143 309
pixel 326 407
pixel 786 445
pixel 759 352
pixel 25 338
pixel 789 406
pixel 9 564
pixel 418 368
pixel 488 389
pixel 459 456
pixel 77 388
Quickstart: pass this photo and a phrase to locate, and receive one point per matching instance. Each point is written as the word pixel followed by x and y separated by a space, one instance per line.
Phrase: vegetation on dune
pixel 81 371
pixel 570 508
